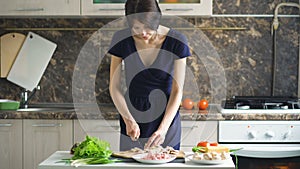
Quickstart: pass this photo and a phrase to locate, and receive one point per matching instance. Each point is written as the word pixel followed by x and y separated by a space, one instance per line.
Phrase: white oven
pixel 265 144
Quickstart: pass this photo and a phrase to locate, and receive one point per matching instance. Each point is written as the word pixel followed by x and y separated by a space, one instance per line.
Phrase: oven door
pixel 268 150
pixel 266 156
pixel 266 163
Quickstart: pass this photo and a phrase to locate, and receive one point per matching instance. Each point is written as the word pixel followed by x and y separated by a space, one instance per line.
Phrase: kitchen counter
pixel 109 112
pixel 52 163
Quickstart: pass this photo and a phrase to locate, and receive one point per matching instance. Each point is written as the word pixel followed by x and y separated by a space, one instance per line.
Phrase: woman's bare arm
pixel 117 96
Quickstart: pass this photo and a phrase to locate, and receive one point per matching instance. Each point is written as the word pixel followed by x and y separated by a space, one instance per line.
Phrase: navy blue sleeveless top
pixel 148 88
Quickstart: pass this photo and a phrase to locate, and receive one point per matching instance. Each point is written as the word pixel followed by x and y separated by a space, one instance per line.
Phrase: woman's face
pixel 139 30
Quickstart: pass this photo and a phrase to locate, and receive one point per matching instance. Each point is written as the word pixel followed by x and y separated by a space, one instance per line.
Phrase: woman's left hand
pixel 156 139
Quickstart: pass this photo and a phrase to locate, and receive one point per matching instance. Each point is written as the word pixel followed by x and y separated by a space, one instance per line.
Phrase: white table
pixel 52 163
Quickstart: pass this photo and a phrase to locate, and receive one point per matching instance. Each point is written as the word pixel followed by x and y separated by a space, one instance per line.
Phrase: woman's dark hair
pixel 145 11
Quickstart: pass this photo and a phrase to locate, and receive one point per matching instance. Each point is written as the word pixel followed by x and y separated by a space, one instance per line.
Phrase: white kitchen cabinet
pixel 179 8
pixel 108 130
pixel 196 131
pixel 10 144
pixel 39 7
pixel 41 138
pixel 102 8
pixel 186 7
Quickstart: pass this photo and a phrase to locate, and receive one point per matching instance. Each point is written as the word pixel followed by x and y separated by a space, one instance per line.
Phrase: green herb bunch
pixel 91 151
pixel 92 147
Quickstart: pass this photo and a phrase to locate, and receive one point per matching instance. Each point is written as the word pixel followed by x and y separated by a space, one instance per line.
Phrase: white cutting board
pixel 32 61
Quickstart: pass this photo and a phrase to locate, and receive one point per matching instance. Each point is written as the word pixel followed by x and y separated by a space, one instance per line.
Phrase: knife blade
pixel 138 140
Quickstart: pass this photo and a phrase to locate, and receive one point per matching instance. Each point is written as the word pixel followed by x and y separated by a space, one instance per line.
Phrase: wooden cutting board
pixel 10 45
pixel 129 154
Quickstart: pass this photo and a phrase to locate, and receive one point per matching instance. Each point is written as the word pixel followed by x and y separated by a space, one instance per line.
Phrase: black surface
pixel 131 160
pixel 266 163
pixel 261 102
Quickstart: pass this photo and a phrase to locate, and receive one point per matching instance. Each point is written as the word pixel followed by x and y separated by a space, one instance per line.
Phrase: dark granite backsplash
pixel 251 7
pixel 245 53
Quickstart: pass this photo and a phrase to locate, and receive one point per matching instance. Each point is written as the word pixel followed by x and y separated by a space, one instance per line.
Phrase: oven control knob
pixel 287 134
pixel 270 134
pixel 252 134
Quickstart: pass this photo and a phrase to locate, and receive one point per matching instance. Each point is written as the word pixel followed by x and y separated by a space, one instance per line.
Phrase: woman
pixel 155 62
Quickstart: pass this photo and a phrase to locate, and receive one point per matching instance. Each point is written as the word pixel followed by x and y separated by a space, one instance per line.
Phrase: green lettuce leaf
pixel 92 151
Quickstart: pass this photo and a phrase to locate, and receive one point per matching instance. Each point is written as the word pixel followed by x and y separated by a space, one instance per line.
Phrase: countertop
pixel 109 112
pixel 52 163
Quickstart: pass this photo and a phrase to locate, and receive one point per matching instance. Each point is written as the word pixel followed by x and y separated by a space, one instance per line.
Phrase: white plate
pixel 210 162
pixel 139 158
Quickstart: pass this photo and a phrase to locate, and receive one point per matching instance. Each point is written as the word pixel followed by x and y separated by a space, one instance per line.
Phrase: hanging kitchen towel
pixel 10 45
pixel 32 61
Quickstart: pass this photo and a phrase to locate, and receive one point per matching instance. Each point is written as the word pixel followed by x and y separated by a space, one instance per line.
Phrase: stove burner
pixel 275 106
pixel 244 107
pixel 261 102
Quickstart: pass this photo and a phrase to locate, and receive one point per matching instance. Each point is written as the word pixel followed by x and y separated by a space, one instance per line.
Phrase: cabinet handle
pixel 111 9
pixel 48 125
pixel 189 127
pixel 178 9
pixel 30 9
pixel 103 128
pixel 114 127
pixel 6 125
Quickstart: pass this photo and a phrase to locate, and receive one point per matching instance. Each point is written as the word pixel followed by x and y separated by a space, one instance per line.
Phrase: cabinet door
pixel 39 7
pixel 168 7
pixel 10 144
pixel 108 130
pixel 186 7
pixel 44 137
pixel 196 131
pixel 104 8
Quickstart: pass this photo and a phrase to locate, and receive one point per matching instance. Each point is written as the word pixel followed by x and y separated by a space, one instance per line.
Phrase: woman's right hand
pixel 132 130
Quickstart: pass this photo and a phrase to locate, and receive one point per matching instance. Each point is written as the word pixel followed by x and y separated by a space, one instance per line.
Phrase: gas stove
pixel 260 104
